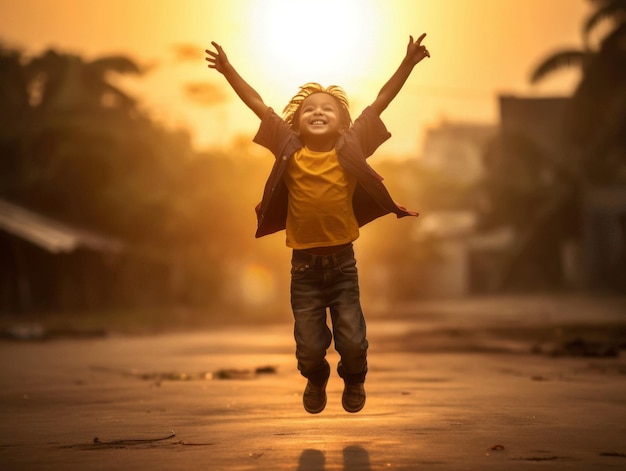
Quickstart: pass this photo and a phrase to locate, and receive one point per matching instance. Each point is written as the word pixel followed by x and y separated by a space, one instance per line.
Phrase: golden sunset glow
pixel 479 48
pixel 300 40
pixel 257 285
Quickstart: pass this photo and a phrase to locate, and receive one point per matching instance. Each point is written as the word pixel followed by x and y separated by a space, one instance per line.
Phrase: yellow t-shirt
pixel 319 210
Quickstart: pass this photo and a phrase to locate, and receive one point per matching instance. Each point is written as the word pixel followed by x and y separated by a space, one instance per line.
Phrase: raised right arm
pixel 219 61
pixel 415 52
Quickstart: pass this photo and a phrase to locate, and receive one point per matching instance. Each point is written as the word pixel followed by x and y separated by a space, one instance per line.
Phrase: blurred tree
pixel 77 147
pixel 66 81
pixel 13 90
pixel 596 122
pixel 14 112
pixel 595 139
pixel 59 105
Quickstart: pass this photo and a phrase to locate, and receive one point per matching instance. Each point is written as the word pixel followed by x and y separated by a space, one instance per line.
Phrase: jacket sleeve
pixel 273 132
pixel 368 131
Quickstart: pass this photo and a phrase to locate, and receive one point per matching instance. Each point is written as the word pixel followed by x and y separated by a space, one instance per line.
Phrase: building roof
pixel 49 234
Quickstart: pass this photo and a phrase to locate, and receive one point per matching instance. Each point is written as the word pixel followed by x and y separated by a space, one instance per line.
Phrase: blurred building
pixel 456 151
pixel 572 235
pixel 46 264
pixel 603 241
pixel 457 148
pixel 538 121
pixel 587 232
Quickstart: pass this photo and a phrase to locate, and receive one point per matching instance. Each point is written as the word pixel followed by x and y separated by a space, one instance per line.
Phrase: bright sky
pixel 479 48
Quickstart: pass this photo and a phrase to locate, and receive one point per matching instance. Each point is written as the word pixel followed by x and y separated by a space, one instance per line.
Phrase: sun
pixel 324 41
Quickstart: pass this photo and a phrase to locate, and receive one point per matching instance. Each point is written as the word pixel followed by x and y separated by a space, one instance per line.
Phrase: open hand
pixel 415 52
pixel 217 60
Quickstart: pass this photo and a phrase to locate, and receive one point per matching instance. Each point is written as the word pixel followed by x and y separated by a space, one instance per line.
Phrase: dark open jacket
pixel 371 199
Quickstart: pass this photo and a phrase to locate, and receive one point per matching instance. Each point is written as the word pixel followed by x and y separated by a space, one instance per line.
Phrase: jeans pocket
pixel 299 270
pixel 348 267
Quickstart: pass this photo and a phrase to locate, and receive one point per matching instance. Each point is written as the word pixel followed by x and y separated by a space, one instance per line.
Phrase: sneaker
pixel 353 398
pixel 314 397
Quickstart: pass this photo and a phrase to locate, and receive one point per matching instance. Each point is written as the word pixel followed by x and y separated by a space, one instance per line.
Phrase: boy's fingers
pixel 420 39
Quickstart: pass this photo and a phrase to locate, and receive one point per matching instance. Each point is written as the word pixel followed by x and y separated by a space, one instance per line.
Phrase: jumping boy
pixel 321 190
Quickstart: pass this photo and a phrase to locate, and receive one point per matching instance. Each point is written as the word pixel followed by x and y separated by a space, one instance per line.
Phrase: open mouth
pixel 318 122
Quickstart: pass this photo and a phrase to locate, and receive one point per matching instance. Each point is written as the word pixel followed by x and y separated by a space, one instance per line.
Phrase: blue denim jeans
pixel 320 283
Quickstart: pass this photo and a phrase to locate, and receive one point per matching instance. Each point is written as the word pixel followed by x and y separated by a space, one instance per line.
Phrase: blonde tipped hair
pixel 292 110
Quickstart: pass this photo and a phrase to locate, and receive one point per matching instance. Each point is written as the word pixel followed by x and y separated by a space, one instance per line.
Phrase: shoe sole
pixel 352 411
pixel 315 411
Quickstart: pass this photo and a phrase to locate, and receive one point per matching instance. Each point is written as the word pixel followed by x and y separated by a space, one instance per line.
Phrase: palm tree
pixel 613 10
pixel 596 122
pixel 13 92
pixel 53 106
pixel 66 82
pixel 13 114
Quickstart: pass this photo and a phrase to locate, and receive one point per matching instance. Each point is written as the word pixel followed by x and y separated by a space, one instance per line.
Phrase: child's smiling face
pixel 319 119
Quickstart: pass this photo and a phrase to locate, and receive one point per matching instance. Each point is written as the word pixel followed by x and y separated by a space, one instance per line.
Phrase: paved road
pixel 452 386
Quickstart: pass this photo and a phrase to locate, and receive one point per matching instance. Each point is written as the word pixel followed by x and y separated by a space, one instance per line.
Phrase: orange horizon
pixel 480 48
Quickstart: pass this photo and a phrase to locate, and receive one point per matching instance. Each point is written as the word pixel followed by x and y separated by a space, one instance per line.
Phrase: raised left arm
pixel 415 52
